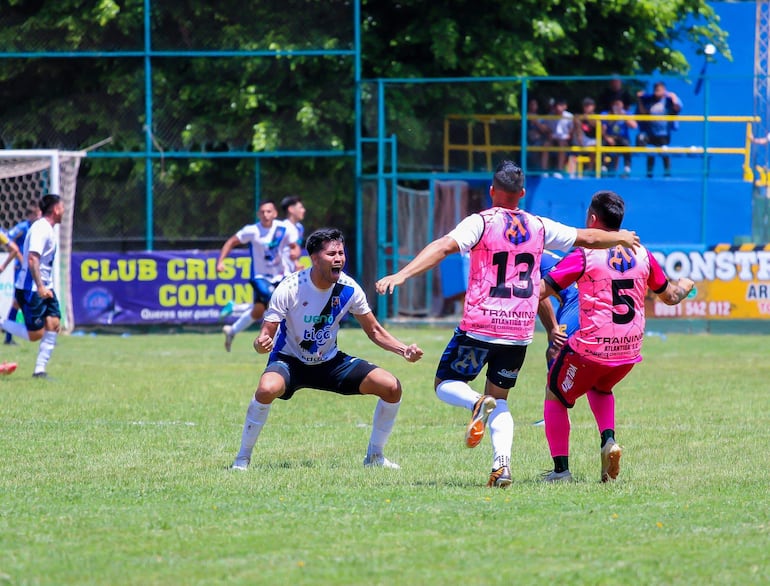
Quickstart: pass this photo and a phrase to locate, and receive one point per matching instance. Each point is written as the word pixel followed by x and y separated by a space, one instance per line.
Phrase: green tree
pixel 217 104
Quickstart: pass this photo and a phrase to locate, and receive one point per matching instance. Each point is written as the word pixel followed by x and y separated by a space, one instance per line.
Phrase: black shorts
pixel 263 290
pixel 35 309
pixel 465 357
pixel 343 374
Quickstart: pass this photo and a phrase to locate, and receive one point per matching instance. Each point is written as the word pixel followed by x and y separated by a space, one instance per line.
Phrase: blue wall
pixel 671 211
pixel 661 211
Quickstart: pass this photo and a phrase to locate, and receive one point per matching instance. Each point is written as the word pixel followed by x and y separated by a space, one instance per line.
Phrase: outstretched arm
pixel 231 243
pixel 425 260
pixel 595 238
pixel 13 253
pixel 385 340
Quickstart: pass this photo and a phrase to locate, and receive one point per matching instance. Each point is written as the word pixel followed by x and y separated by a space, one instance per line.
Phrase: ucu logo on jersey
pixel 621 259
pixel 319 319
pixel 317 336
pixel 516 229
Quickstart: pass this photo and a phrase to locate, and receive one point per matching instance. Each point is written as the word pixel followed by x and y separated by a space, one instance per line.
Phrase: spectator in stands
pixel 657 133
pixel 562 131
pixel 538 133
pixel 614 91
pixel 618 133
pixel 585 129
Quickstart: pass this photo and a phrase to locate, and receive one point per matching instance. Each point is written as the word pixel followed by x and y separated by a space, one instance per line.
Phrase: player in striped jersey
pixel 300 333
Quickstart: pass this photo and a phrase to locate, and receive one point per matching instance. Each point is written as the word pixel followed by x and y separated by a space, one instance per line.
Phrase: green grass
pixel 114 473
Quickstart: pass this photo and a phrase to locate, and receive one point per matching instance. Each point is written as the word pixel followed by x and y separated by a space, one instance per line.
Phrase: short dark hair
pixel 267 201
pixel 317 239
pixel 49 200
pixel 289 201
pixel 508 177
pixel 609 207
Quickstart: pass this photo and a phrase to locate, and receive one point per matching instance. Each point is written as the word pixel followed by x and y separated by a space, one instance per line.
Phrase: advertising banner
pixel 165 287
pixel 732 282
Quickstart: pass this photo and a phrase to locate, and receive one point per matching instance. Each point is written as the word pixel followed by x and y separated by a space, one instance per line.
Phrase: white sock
pixel 256 416
pixel 382 424
pixel 500 425
pixel 243 322
pixel 47 343
pixel 457 393
pixel 16 329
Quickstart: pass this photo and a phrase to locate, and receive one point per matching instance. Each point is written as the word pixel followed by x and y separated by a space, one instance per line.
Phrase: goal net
pixel 25 177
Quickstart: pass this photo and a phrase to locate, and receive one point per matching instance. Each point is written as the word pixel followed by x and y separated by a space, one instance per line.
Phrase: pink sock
pixel 557 428
pixel 603 407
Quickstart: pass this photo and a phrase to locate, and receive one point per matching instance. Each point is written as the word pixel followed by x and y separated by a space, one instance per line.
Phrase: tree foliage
pixel 290 102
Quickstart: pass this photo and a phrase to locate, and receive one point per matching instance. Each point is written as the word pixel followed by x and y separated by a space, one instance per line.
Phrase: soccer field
pixel 115 473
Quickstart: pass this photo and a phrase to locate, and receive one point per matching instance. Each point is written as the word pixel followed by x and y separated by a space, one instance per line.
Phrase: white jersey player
pixel 300 332
pixel 267 241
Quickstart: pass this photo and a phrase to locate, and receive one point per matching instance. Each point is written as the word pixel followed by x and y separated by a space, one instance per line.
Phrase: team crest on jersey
pixel 621 259
pixel 336 301
pixel 516 228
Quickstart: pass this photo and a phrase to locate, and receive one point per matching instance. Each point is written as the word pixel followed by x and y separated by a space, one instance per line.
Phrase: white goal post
pixel 25 177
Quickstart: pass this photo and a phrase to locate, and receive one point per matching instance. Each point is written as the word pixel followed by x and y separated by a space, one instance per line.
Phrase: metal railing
pixel 596 153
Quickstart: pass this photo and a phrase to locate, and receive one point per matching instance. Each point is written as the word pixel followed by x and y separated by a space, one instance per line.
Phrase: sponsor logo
pixel 319 319
pixel 318 336
pixel 569 378
pixel 509 373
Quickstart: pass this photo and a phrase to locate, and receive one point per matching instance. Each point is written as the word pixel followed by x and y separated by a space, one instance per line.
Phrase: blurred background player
pixel 611 289
pixel 34 284
pixel 560 318
pixel 294 212
pixel 13 253
pixel 266 240
pixel 302 341
pixel 501 301
pixel 17 235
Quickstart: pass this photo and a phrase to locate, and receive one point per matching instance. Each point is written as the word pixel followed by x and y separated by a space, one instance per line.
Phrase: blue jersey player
pixel 565 312
pixel 17 235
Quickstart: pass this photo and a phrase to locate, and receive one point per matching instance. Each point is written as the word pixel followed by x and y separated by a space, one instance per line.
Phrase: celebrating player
pixel 505 245
pixel 266 239
pixel 611 288
pixel 300 332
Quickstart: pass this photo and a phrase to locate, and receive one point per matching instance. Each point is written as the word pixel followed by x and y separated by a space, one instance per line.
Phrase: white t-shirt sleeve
pixel 468 232
pixel 278 308
pixel 558 236
pixel 358 303
pixel 247 234
pixel 38 235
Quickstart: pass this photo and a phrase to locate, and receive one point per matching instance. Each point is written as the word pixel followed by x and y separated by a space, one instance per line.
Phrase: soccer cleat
pixel 380 461
pixel 8 367
pixel 240 464
pixel 10 342
pixel 43 375
pixel 611 453
pixel 474 433
pixel 553 477
pixel 227 309
pixel 229 335
pixel 500 477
